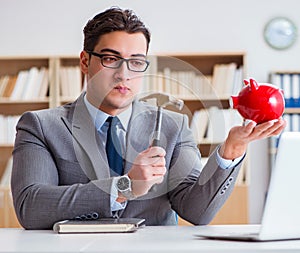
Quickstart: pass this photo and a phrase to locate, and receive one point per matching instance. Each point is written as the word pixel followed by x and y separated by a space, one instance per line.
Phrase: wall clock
pixel 280 33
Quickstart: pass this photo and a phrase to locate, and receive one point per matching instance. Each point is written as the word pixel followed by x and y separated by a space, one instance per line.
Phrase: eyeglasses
pixel 115 62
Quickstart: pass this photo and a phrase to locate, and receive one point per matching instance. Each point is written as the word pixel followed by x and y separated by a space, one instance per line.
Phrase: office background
pixel 39 27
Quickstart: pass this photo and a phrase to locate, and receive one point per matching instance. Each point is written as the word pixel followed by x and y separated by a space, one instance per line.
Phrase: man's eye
pixel 110 59
pixel 137 63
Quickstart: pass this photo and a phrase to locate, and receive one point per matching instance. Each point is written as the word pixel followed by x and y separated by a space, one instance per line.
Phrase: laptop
pixel 281 216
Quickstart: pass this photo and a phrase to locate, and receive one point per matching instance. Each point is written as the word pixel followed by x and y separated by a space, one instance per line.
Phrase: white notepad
pixel 103 225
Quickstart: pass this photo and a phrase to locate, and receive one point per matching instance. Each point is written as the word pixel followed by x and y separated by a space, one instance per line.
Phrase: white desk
pixel 149 239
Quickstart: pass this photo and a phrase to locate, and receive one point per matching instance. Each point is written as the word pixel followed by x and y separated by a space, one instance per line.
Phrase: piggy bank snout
pixel 234 102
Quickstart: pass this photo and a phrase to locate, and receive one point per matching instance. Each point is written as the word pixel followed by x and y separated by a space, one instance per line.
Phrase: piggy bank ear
pixel 246 82
pixel 253 84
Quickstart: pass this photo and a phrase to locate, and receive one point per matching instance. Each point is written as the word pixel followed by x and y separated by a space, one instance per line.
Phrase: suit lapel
pixel 86 139
pixel 88 146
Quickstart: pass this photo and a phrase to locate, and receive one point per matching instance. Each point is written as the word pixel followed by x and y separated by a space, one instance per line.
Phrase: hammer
pixel 162 100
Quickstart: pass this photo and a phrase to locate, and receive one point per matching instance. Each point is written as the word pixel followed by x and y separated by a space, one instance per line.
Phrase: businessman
pixel 64 163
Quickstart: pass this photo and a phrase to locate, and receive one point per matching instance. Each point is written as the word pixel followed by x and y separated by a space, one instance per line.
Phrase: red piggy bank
pixel 259 102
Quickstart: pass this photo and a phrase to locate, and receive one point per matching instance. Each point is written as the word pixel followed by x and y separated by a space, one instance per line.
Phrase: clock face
pixel 280 33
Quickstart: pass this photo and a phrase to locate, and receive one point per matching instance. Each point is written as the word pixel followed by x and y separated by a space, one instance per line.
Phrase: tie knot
pixel 112 120
pixel 109 119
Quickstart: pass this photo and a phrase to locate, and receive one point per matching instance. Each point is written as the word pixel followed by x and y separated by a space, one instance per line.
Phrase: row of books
pixel 210 125
pixel 293 122
pixel 227 79
pixel 71 81
pixel 8 129
pixel 27 84
pixel 34 83
pixel 213 125
pixel 290 84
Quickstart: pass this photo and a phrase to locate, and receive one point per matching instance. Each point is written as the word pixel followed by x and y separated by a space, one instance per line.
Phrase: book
pixel 199 124
pixel 19 85
pixel 223 78
pixel 102 225
pixel 44 83
pixel 3 83
pixel 31 84
pixel 9 86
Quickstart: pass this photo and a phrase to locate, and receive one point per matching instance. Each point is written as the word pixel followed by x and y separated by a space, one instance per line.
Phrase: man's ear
pixel 84 62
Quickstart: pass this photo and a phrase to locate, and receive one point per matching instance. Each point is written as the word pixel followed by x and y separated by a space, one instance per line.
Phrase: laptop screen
pixel 281 214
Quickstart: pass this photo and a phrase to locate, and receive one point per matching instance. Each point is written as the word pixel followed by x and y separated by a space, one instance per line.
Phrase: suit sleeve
pixel 40 197
pixel 197 193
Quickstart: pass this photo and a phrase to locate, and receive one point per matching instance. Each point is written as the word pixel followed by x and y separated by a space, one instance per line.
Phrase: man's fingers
pixel 158 180
pixel 158 171
pixel 154 156
pixel 250 126
pixel 155 152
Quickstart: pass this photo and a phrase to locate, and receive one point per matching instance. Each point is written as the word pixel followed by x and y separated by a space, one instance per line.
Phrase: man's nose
pixel 123 72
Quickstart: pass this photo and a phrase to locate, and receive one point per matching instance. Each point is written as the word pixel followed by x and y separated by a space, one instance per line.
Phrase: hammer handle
pixel 156 136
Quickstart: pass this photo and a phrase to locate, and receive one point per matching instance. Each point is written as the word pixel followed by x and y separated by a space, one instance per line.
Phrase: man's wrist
pixel 123 185
pixel 228 163
pixel 231 153
pixel 115 203
pixel 121 198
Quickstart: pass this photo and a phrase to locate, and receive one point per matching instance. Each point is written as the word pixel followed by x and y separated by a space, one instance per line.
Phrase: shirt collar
pixel 99 117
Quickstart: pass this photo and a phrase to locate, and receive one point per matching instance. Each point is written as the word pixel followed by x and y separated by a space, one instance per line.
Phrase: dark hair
pixel 111 20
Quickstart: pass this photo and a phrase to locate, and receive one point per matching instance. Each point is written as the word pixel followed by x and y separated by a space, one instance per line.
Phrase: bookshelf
pixel 10 106
pixel 289 82
pixel 202 64
pixel 235 210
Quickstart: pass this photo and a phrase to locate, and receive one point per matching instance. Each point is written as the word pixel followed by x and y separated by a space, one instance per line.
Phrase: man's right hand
pixel 148 169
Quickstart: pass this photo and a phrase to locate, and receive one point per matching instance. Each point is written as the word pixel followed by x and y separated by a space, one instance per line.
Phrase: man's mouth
pixel 122 89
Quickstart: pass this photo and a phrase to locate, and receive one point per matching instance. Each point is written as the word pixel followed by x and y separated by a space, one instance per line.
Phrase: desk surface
pixel 148 239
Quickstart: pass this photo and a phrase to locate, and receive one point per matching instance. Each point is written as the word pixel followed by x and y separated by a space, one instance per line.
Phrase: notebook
pixel 281 216
pixel 103 225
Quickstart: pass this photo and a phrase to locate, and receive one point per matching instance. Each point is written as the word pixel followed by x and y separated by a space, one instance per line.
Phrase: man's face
pixel 113 90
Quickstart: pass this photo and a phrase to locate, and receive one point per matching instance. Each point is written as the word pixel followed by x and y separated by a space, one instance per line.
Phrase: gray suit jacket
pixel 60 169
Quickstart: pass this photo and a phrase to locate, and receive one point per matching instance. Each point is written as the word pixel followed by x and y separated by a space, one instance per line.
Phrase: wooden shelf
pixel 6 152
pixel 194 105
pixel 202 62
pixel 291 110
pixel 12 65
pixel 207 148
pixel 7 211
pixel 10 107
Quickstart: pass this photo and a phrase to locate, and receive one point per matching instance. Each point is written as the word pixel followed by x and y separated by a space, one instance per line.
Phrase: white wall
pixel 37 27
pixel 42 27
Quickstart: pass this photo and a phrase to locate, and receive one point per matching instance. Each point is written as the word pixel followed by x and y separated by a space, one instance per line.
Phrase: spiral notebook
pixel 281 220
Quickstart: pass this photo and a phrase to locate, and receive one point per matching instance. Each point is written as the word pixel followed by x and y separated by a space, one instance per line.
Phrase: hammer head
pixel 162 100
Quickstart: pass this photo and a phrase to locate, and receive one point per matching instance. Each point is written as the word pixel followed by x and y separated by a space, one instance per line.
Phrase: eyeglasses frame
pixel 121 61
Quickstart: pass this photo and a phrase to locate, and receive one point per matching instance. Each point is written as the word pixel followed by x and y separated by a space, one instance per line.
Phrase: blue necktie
pixel 113 147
